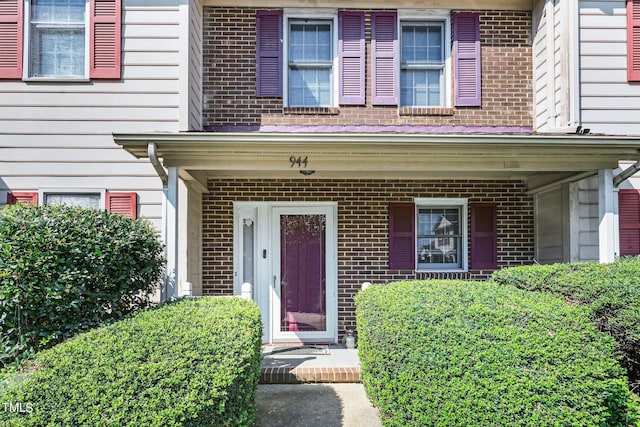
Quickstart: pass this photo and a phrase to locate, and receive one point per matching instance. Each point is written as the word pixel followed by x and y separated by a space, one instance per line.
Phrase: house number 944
pixel 299 161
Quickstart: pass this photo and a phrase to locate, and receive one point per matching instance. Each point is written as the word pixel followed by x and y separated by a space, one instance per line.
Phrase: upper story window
pixel 310 66
pixel 422 64
pixel 58 39
pixel 319 61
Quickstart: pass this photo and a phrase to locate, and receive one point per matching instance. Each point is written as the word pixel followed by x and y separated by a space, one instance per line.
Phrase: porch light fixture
pixel 307 172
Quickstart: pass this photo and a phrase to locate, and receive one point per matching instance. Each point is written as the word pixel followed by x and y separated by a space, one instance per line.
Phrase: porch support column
pixel 171 234
pixel 607 216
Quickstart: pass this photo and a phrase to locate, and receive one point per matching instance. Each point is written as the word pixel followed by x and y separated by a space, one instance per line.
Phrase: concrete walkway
pixel 328 392
pixel 315 405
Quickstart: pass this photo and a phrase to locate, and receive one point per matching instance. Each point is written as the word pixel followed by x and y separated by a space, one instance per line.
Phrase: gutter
pixel 152 151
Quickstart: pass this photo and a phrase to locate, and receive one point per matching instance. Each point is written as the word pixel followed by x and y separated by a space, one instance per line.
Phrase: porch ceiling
pixel 254 154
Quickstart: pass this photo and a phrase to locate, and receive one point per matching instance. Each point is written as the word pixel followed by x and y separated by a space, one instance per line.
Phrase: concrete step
pixel 300 375
pixel 281 366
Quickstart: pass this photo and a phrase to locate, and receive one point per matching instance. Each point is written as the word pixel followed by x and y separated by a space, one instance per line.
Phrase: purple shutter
pixel 466 48
pixel 269 53
pixel 402 241
pixel 384 79
pixel 484 237
pixel 629 219
pixel 351 51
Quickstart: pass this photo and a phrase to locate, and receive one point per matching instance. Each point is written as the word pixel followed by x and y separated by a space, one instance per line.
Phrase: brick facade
pixel 229 79
pixel 362 226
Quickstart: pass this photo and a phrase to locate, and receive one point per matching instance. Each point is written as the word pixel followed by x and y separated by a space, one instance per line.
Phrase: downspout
pixel 152 151
pixel 626 174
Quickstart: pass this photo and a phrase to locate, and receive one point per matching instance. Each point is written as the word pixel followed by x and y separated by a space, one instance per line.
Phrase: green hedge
pixel 610 291
pixel 188 363
pixel 481 354
pixel 63 270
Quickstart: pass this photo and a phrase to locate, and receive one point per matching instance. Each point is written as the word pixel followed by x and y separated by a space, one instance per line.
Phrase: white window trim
pixel 26 48
pixel 316 14
pixel 42 194
pixel 463 204
pixel 438 15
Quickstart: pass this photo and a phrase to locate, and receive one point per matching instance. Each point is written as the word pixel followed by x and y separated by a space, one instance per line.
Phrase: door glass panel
pixel 247 251
pixel 303 271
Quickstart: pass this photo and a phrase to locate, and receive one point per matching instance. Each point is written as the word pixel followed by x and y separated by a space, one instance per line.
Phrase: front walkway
pixel 314 405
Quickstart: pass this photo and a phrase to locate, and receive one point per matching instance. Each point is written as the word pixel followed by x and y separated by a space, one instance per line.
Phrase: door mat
pixel 302 350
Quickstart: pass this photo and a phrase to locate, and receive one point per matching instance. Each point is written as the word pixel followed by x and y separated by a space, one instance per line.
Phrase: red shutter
pixel 269 53
pixel 22 197
pixel 105 39
pixel 385 62
pixel 11 39
pixel 352 57
pixel 402 240
pixel 122 203
pixel 629 219
pixel 466 48
pixel 484 237
pixel 633 40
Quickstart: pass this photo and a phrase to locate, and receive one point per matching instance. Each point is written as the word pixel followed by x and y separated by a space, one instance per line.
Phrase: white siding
pixel 550 226
pixel 608 103
pixel 588 220
pixel 195 65
pixel 59 135
pixel 551 65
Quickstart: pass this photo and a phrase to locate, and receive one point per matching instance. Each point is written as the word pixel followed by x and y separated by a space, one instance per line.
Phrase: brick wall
pixel 362 226
pixel 229 79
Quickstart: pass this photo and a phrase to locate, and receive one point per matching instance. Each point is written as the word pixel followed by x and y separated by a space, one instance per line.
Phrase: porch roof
pixel 538 158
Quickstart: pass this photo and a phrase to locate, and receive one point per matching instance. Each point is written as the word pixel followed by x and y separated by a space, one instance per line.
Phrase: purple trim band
pixel 403 129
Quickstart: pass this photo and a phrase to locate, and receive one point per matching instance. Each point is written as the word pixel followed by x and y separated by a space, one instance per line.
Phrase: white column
pixel 171 234
pixel 606 210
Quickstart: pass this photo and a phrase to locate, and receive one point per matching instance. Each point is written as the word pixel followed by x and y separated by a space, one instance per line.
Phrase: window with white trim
pixel 58 39
pixel 82 198
pixel 310 61
pixel 441 234
pixel 422 63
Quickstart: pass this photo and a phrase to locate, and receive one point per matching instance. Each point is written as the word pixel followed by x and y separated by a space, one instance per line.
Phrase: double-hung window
pixel 422 64
pixel 58 39
pixel 439 237
pixel 310 65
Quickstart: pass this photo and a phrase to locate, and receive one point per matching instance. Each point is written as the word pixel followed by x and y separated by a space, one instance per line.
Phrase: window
pixel 120 203
pixel 81 200
pixel 422 64
pixel 310 63
pixel 432 235
pixel 439 238
pixel 57 38
pixel 60 39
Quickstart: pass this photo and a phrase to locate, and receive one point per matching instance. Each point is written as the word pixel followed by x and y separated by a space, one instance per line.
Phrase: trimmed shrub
pixel 610 291
pixel 65 269
pixel 480 354
pixel 189 363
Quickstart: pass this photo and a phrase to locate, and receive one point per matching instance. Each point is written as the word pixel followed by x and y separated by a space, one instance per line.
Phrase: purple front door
pixel 303 299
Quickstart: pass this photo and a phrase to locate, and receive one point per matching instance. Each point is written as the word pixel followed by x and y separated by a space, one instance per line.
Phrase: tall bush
pixel 187 363
pixel 65 269
pixel 611 292
pixel 441 353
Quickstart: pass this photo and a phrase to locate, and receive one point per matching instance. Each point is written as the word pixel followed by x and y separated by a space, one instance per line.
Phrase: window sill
pixel 425 111
pixel 318 111
pixel 56 80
